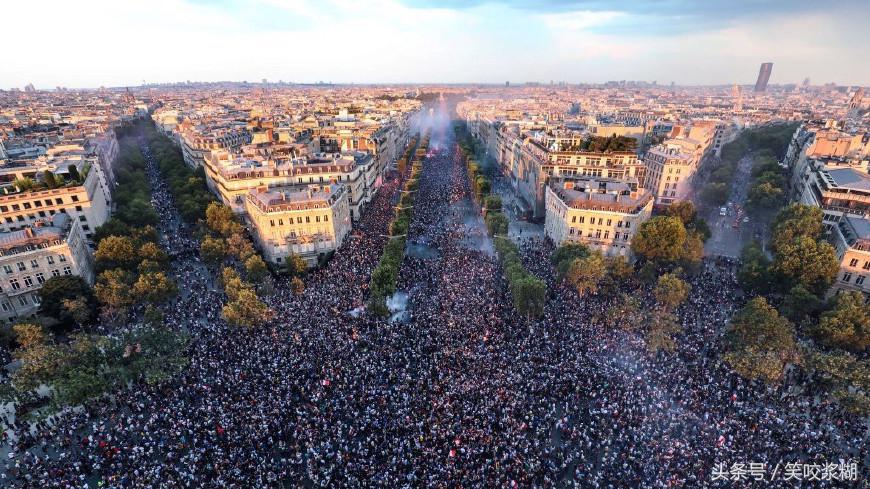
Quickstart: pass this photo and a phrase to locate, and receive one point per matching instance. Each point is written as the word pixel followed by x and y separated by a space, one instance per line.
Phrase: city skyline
pixel 411 41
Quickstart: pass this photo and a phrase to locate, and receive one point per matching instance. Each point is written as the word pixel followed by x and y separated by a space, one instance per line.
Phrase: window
pixel 67 271
pixel 272 222
pixel 14 283
pixel 62 258
pixel 866 265
pixel 307 219
pixel 58 201
pixel 608 222
pixel 574 220
pixel 6 306
pixel 627 224
pixel 22 300
pixel 847 277
pixel 21 266
pixel 36 299
pixel 853 262
pixel 860 280
pixel 28 281
pixel 326 218
pixel 34 264
pixel 78 208
pixel 7 268
pixel 50 260
pixel 40 278
pixel 75 198
pixel 317 218
pixel 55 273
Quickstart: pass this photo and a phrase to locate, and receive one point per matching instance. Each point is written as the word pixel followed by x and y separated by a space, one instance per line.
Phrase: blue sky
pixel 90 43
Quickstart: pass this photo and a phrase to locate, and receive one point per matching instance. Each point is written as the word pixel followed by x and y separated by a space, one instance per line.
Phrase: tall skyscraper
pixel 763 77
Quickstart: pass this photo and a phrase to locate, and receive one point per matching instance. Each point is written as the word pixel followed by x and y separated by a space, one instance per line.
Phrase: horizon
pixel 479 42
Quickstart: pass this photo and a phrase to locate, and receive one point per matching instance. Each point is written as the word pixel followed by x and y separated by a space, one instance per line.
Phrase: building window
pixel 67 271
pixel 853 262
pixel 34 264
pixel 50 260
pixel 40 278
pixel 5 306
pixel 847 277
pixel 866 265
pixel 22 300
pixel 326 218
pixel 75 198
pixel 14 283
pixel 62 258
pixel 860 280
pixel 272 222
pixel 36 299
pixel 7 268
pixel 28 281
pixel 55 273
pixel 21 266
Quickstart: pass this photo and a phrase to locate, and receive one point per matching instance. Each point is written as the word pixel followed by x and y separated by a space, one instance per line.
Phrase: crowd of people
pixel 463 392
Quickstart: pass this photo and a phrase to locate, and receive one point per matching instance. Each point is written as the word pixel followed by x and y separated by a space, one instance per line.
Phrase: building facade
pixel 32 255
pixel 307 220
pixel 601 213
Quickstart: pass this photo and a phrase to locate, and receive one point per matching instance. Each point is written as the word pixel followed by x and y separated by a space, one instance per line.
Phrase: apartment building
pixel 601 213
pixel 851 238
pixel 671 167
pixel 31 255
pixel 305 220
pixel 232 177
pixel 27 197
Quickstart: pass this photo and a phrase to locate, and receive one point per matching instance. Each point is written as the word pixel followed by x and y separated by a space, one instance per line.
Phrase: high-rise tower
pixel 763 77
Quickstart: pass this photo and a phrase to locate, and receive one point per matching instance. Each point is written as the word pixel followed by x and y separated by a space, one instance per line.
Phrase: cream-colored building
pixel 670 169
pixel 601 213
pixel 306 220
pixel 87 201
pixel 851 238
pixel 34 254
pixel 232 178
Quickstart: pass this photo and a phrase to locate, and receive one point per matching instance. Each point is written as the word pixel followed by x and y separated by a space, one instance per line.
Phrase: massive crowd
pixel 463 393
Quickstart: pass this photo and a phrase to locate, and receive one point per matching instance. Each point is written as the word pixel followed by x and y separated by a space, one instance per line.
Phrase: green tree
pixel 154 288
pixel 240 247
pixel 529 295
pixel 846 377
pixel 762 343
pixel 662 328
pixel 671 291
pixel 114 290
pixel 847 325
pixel 116 252
pixel 661 238
pixel 56 290
pixel 801 305
pixel 152 251
pixel 246 310
pixel 586 273
pixel 78 310
pixel 295 265
pixel 796 221
pixel 256 269
pixel 297 286
pixel 806 262
pixel 493 203
pixel 497 224
pixel 565 255
pixel 28 335
pixel 220 219
pixel 684 210
pixel 213 250
pixel 754 272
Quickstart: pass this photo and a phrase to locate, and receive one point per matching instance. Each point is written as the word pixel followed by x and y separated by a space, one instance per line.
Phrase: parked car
pixel 723 211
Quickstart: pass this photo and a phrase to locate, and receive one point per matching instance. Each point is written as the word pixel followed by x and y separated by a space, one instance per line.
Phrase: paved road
pixel 730 233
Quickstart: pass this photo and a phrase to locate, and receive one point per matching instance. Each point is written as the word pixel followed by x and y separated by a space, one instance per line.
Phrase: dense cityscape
pixel 616 284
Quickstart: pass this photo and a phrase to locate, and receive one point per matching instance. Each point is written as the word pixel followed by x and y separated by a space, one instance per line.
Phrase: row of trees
pixel 50 180
pixel 407 156
pixel 89 365
pixel 529 293
pixel 188 187
pixel 386 274
pixel 224 243
pixel 674 238
pixel 770 141
pixel 766 336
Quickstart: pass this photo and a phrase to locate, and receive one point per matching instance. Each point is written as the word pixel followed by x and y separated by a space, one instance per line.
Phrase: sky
pixel 92 43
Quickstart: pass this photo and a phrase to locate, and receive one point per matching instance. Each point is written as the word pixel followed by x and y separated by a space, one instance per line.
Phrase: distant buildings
pixel 31 255
pixel 763 77
pixel 308 220
pixel 601 213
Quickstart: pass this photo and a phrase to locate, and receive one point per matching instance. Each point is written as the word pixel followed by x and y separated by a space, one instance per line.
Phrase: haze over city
pixel 416 243
pixel 107 43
